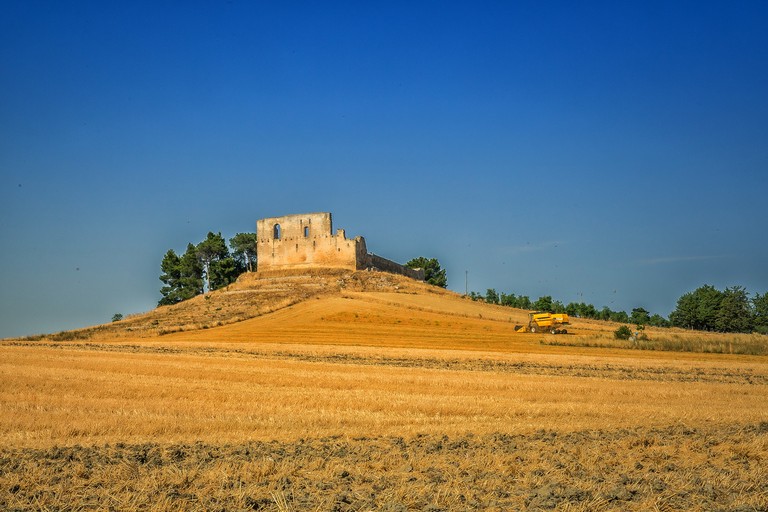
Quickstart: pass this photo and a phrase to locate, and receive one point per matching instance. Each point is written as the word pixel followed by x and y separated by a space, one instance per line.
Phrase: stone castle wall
pixel 307 240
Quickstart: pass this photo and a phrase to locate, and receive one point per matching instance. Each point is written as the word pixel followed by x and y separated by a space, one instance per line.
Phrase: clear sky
pixel 610 152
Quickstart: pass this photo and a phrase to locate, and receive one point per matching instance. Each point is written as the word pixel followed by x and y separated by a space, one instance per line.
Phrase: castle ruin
pixel 307 241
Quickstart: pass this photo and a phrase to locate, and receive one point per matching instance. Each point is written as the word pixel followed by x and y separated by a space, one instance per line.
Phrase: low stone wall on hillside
pixel 386 265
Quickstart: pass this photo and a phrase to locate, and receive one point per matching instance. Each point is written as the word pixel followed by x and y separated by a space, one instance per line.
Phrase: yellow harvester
pixel 545 322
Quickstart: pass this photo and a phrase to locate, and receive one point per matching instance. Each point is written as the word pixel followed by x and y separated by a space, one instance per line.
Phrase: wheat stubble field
pixel 371 392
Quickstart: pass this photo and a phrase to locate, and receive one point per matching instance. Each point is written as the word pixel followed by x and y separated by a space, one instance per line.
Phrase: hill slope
pixel 262 294
pixel 341 307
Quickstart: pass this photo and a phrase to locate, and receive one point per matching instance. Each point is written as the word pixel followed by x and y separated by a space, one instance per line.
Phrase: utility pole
pixel 466 281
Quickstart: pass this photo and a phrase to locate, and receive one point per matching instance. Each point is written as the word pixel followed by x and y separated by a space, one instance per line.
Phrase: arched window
pixel 306 231
pixel 276 232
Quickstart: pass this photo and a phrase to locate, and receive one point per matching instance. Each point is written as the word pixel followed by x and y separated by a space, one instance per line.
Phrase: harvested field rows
pixel 365 391
pixel 635 469
pixel 87 394
pixel 581 367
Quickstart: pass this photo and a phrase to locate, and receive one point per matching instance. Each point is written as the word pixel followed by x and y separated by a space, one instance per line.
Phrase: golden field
pixel 366 391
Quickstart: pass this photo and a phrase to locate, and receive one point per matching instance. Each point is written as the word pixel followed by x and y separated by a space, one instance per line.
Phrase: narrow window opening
pixel 306 231
pixel 276 232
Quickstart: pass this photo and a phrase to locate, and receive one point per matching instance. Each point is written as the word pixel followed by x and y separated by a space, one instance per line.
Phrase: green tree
pixel 171 277
pixel 191 274
pixel 508 300
pixel 656 320
pixel 686 313
pixel 491 297
pixel 640 316
pixel 223 272
pixel 182 276
pixel 544 304
pixel 735 312
pixel 622 333
pixel 433 274
pixel 619 316
pixel 588 311
pixel 523 302
pixel 707 308
pixel 117 317
pixel 211 251
pixel 708 302
pixel 244 250
pixel 760 310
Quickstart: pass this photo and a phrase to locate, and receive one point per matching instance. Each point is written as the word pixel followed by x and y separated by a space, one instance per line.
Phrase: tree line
pixel 209 265
pixel 729 310
pixel 706 308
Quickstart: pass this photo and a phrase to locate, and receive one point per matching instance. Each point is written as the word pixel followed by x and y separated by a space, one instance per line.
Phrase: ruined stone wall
pixel 386 265
pixel 307 240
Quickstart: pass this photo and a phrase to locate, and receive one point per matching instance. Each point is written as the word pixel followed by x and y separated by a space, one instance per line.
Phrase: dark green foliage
pixel 604 314
pixel 521 301
pixel 544 304
pixel 117 317
pixel 210 251
pixel 508 300
pixel 657 320
pixel 433 274
pixel 223 272
pixel 581 310
pixel 171 276
pixel 708 303
pixel 705 308
pixel 685 314
pixel 640 316
pixel 575 309
pixel 183 277
pixel 760 308
pixel 734 313
pixel 709 309
pixel 206 266
pixel 619 316
pixel 244 250
pixel 191 281
pixel 622 333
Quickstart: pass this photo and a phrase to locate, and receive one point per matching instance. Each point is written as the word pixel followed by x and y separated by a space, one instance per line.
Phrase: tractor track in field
pixel 487 364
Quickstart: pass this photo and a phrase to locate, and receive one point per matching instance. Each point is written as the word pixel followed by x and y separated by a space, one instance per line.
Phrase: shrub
pixel 622 333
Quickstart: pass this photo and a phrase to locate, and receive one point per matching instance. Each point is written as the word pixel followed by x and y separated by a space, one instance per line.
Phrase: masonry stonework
pixel 307 240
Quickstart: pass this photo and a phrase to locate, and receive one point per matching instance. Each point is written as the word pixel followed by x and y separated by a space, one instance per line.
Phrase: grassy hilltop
pixel 341 390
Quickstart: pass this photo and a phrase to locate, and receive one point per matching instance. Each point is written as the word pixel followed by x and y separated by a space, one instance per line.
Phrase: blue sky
pixel 610 152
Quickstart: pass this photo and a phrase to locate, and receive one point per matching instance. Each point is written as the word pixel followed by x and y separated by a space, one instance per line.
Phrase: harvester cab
pixel 545 322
